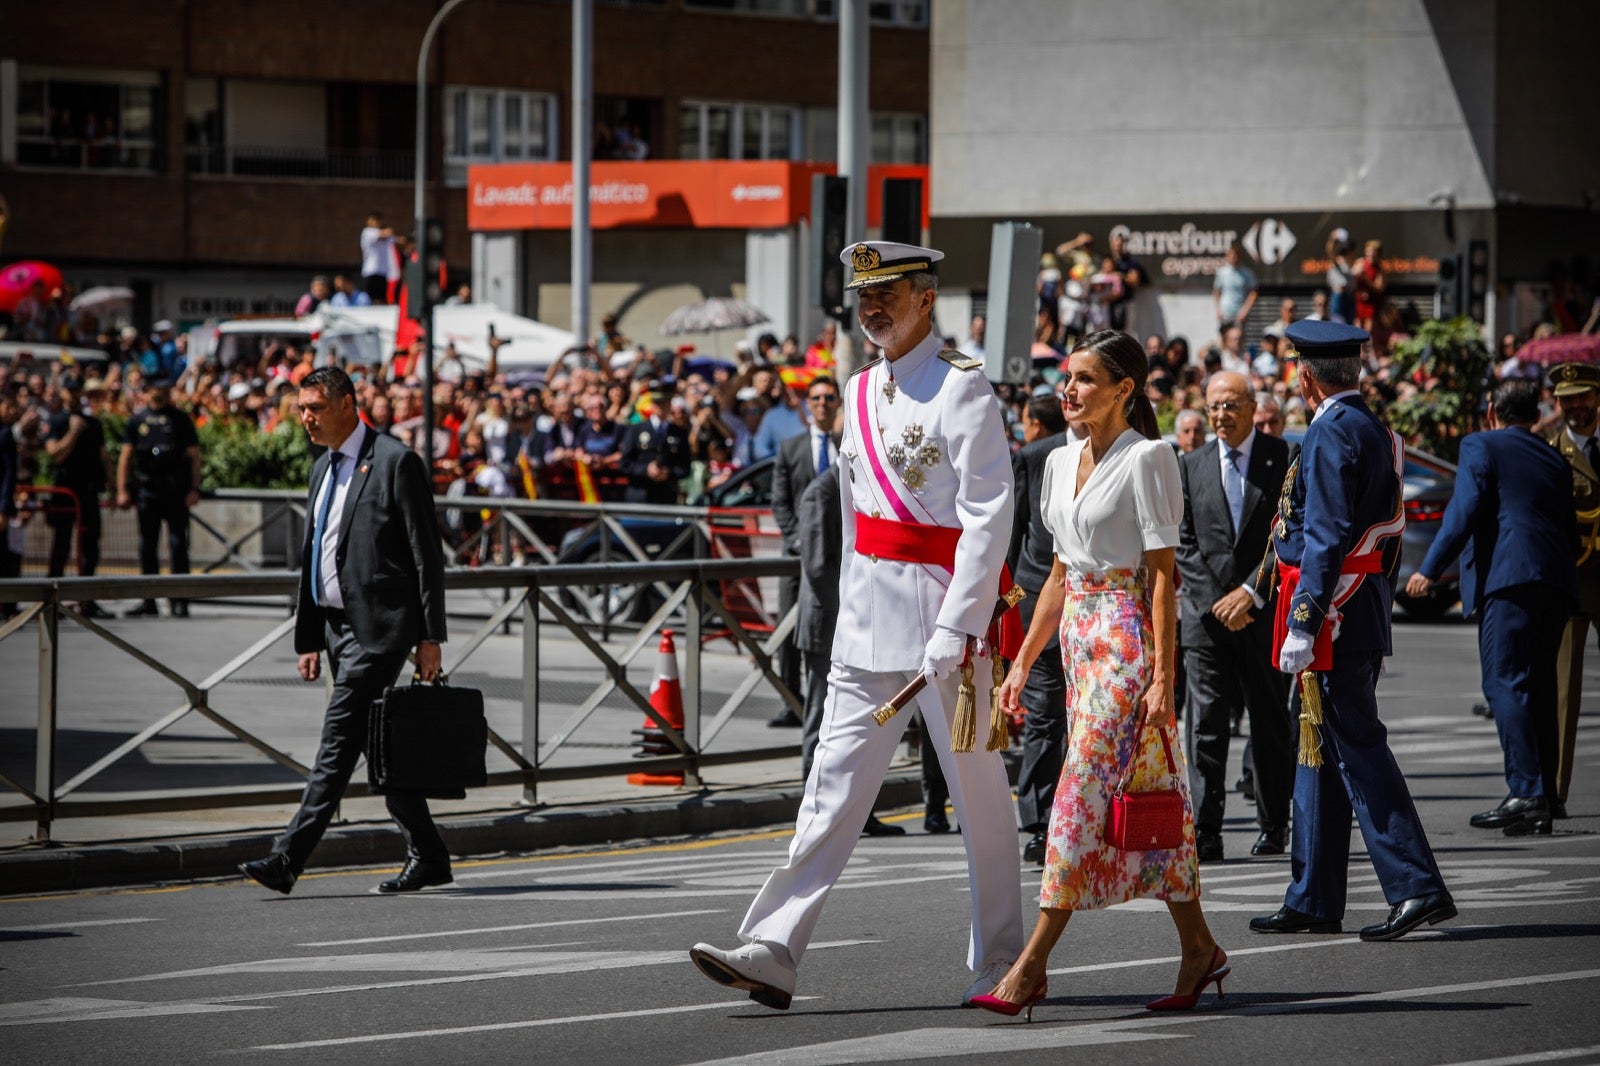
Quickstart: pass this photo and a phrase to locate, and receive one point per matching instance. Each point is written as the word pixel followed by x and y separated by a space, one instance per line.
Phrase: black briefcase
pixel 427 739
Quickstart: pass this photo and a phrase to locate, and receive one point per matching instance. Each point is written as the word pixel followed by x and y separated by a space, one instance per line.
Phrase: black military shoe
pixel 1271 842
pixel 1513 809
pixel 147 609
pixel 1289 920
pixel 1410 913
pixel 935 822
pixel 180 608
pixel 1208 847
pixel 272 872
pixel 1035 849
pixel 418 875
pixel 875 828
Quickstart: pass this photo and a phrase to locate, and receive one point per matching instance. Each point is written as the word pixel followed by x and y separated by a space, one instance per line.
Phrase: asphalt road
pixel 581 957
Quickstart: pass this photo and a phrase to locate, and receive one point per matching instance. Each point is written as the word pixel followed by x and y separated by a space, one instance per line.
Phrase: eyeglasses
pixel 1226 408
pixel 826 397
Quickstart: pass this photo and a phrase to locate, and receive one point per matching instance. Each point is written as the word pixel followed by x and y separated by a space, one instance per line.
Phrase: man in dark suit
pixel 371 588
pixel 1044 697
pixel 1577 389
pixel 1513 492
pixel 655 454
pixel 821 539
pixel 1336 545
pixel 800 458
pixel 1231 486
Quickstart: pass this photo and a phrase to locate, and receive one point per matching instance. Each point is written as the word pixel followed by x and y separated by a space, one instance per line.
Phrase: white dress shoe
pixel 987 978
pixel 753 968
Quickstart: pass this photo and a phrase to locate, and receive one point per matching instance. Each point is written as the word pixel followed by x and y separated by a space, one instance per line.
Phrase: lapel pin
pixel 365 468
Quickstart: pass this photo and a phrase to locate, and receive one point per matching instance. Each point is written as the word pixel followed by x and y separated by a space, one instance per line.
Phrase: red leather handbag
pixel 1146 821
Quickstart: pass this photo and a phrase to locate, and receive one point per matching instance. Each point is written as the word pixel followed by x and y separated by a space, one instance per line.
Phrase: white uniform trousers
pixel 852 757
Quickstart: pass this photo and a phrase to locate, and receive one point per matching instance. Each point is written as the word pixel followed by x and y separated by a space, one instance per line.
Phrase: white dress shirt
pixel 350 450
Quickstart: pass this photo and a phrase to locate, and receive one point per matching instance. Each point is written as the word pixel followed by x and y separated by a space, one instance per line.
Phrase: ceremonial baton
pixel 899 701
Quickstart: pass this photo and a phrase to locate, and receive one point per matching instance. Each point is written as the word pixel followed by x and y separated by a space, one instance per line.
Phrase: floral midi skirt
pixel 1107 652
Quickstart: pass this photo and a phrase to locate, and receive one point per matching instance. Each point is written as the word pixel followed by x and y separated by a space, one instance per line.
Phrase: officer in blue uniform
pixel 1336 544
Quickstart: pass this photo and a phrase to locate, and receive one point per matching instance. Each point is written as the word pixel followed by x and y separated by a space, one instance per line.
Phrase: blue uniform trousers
pixel 1358 775
pixel 1519 639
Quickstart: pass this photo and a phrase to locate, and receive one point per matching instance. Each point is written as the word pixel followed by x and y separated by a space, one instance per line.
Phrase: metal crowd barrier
pixel 691 591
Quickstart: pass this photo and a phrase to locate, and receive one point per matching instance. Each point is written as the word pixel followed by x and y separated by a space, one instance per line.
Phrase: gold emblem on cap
pixel 865 257
pixel 1569 372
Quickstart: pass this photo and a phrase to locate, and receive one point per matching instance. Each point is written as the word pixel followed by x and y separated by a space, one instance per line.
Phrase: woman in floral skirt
pixel 1113 501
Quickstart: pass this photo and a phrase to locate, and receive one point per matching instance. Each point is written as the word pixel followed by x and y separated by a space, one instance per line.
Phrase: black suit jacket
pixel 793 471
pixel 391 565
pixel 644 443
pixel 8 474
pixel 1032 553
pixel 821 557
pixel 1212 560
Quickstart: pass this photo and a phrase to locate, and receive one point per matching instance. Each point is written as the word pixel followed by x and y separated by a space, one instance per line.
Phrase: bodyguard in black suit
pixel 371 589
pixel 799 460
pixel 1231 486
pixel 655 455
pixel 1512 512
pixel 1044 697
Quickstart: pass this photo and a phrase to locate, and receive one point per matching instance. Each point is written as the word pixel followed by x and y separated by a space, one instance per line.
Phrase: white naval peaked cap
pixel 881 262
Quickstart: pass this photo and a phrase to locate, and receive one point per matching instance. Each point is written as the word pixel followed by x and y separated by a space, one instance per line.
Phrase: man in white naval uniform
pixel 927 510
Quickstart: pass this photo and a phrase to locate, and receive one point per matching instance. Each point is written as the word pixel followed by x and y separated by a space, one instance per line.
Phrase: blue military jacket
pixel 1345 485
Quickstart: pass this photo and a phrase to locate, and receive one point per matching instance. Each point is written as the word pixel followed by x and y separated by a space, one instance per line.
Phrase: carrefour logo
pixel 1269 241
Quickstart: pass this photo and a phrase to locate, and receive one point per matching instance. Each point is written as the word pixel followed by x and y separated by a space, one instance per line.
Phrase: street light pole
pixel 582 141
pixel 854 127
pixel 420 215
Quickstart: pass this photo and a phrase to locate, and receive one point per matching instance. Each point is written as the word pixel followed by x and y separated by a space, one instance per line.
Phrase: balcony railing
pixel 339 164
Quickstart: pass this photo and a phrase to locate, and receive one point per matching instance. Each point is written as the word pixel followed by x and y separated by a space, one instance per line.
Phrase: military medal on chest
pixel 890 388
pixel 913 455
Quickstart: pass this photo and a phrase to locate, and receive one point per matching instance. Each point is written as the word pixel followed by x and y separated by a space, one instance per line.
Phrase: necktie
pixel 1591 451
pixel 822 453
pixel 331 481
pixel 1233 488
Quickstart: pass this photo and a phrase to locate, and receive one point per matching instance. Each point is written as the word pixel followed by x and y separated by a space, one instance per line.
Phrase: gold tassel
pixel 999 734
pixel 1310 719
pixel 964 734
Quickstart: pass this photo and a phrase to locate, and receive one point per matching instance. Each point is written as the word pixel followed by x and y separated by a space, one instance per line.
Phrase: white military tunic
pixel 942 432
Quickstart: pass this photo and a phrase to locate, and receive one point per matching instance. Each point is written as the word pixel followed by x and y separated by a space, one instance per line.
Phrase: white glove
pixel 1295 655
pixel 944 654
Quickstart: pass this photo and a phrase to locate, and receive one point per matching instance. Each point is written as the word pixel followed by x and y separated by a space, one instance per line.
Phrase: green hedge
pixel 237 455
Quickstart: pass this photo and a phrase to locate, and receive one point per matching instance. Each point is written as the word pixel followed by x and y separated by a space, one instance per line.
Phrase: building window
pixel 899 138
pixel 89 119
pixel 908 13
pixel 496 126
pixel 737 131
pixel 791 8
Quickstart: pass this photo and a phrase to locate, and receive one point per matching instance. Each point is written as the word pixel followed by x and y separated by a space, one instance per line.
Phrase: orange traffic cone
pixel 666 697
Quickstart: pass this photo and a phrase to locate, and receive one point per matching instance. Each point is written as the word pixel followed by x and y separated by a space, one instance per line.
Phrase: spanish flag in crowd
pixel 587 492
pixel 530 488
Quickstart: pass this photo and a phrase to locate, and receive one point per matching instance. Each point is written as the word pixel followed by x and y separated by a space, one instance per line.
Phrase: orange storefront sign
pixel 709 194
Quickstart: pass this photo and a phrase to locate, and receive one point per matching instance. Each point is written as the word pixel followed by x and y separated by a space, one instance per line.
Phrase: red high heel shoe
pixel 1180 1001
pixel 1008 1008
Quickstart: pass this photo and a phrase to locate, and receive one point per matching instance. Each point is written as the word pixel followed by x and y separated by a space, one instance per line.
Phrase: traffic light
pixel 425 272
pixel 1447 288
pixel 902 210
pixel 1476 296
pixel 830 203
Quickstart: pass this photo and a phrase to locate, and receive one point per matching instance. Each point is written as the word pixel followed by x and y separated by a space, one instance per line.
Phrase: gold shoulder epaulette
pixel 868 365
pixel 960 361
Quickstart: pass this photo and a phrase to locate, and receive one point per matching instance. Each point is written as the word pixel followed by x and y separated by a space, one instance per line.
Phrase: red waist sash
pixel 913 542
pixel 1289 582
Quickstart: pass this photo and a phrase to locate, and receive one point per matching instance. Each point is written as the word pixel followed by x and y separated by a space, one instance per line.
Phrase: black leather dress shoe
pixel 418 875
pixel 272 872
pixel 936 822
pixel 180 608
pixel 1410 913
pixel 785 719
pixel 1289 920
pixel 1208 847
pixel 875 828
pixel 1034 850
pixel 147 609
pixel 1271 842
pixel 1533 825
pixel 1558 809
pixel 1512 809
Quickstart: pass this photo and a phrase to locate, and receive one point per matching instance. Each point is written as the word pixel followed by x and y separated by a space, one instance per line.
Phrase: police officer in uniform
pixel 926 507
pixel 158 472
pixel 655 454
pixel 1577 389
pixel 76 444
pixel 1335 546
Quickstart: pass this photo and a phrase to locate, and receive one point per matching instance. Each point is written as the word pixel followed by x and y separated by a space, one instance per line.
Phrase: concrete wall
pixel 1058 108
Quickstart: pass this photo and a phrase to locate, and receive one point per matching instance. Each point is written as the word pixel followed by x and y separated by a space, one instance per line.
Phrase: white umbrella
pixel 710 316
pixel 102 299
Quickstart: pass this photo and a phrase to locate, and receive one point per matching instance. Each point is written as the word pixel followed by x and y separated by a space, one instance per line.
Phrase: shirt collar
pixel 1328 401
pixel 916 358
pixel 351 448
pixel 1244 447
pixel 1580 439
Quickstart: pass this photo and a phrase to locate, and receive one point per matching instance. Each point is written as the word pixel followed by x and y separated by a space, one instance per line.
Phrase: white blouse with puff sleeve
pixel 1132 503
